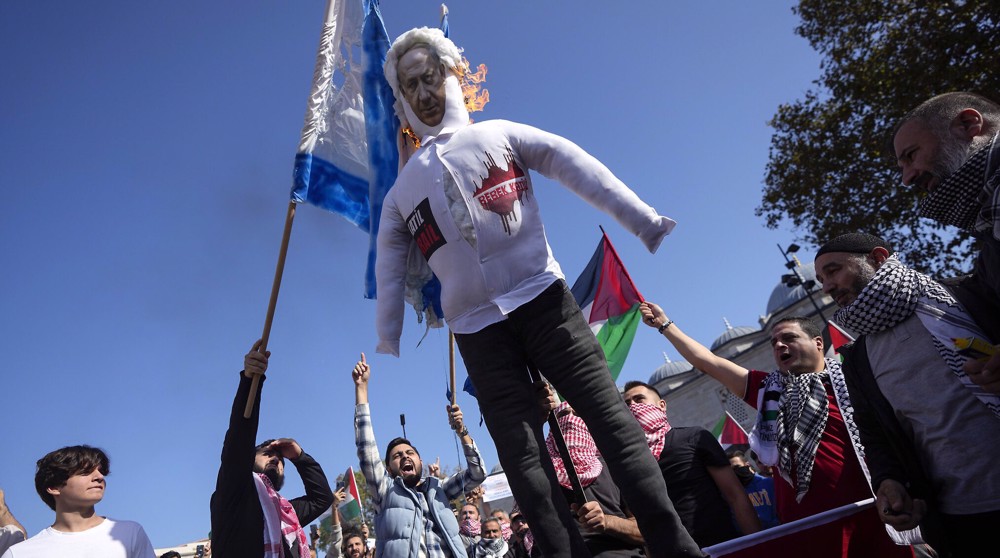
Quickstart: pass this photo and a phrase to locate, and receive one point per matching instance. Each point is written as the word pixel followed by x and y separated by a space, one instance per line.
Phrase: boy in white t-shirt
pixel 71 482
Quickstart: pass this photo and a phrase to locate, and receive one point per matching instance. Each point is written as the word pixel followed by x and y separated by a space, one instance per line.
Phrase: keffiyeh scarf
pixel 970 198
pixel 654 424
pixel 792 411
pixel 897 292
pixel 469 527
pixel 505 531
pixel 280 521
pixel 490 548
pixel 529 542
pixel 527 539
pixel 582 449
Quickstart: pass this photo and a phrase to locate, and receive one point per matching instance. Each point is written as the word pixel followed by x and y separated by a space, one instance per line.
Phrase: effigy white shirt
pixel 503 259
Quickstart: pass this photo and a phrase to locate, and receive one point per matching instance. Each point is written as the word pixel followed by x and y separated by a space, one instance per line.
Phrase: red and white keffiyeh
pixel 505 531
pixel 653 421
pixel 527 539
pixel 280 521
pixel 582 449
pixel 469 527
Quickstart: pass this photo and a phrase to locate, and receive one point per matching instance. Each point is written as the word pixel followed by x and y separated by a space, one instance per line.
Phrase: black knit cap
pixel 854 243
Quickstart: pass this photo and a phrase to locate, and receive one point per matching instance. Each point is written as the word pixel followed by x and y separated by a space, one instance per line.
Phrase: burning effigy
pixel 464 202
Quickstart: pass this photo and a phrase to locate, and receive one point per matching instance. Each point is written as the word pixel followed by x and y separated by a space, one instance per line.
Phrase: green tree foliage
pixel 830 168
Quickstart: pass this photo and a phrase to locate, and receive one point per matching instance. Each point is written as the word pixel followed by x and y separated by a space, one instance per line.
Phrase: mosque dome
pixel 732 333
pixel 784 296
pixel 668 369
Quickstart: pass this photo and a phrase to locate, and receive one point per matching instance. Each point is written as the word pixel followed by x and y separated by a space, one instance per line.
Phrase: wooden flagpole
pixel 451 362
pixel 280 268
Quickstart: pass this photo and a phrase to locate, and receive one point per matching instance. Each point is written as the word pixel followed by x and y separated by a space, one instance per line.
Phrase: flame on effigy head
pixel 472 86
pixel 408 135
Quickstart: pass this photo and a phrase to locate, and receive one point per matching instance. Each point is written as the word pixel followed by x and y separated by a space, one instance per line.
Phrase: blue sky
pixel 146 151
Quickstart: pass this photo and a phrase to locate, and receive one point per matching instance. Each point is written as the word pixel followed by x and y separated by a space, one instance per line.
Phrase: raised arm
pixel 376 477
pixel 240 440
pixel 7 519
pixel 727 373
pixel 318 496
pixel 474 473
pixel 336 531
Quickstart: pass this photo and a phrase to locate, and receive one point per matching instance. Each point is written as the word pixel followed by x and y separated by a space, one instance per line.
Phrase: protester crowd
pixel 901 418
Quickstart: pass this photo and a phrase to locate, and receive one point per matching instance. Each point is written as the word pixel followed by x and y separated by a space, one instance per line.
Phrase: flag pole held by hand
pixel 579 496
pixel 451 364
pixel 280 268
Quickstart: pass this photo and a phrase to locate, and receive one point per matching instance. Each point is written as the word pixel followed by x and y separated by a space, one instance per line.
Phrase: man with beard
pixel 948 147
pixel 491 543
pixel 465 199
pixel 922 421
pixel 700 481
pixel 413 513
pixel 759 489
pixel 249 517
pixel 355 546
pixel 802 429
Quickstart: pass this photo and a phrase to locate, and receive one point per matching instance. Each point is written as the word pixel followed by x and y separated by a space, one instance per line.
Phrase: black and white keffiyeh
pixel 792 414
pixel 489 548
pixel 897 292
pixel 970 198
pixel 764 438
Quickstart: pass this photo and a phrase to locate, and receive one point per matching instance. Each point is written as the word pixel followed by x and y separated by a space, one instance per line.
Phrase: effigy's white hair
pixel 433 38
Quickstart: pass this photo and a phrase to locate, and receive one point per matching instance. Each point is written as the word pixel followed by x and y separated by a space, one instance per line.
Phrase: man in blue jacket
pixel 413 515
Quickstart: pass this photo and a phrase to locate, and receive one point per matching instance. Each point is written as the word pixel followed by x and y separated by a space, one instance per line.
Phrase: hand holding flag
pixel 350 508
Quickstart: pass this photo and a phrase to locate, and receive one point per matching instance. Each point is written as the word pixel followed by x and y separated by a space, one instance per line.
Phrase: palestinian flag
pixel 350 508
pixel 610 303
pixel 729 432
pixel 838 337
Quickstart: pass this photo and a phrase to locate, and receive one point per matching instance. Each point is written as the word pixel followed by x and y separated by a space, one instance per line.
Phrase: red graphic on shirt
pixel 501 188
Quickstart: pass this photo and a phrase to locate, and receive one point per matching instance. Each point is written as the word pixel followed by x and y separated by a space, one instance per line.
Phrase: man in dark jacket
pixel 921 419
pixel 249 518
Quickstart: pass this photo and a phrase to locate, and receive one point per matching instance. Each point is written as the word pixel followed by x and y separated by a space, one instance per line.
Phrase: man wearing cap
pixel 250 518
pixel 521 538
pixel 466 203
pixel 948 147
pixel 921 419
